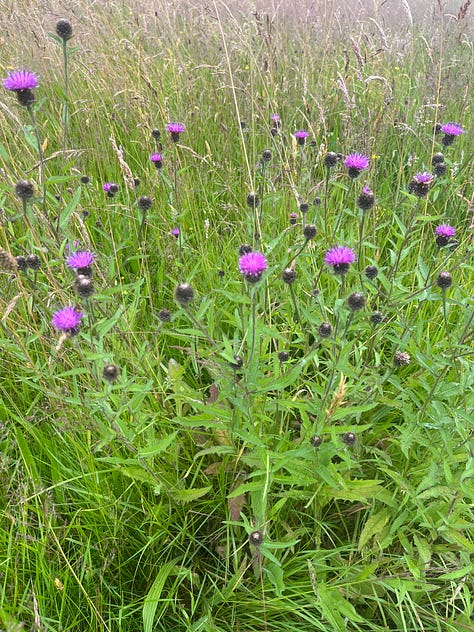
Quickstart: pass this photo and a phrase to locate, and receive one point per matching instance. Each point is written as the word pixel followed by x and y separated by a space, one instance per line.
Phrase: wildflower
pixel 301 136
pixel 175 129
pixel 110 372
pixel 253 200
pixel 80 260
pixel 450 131
pixel 356 302
pixel 376 318
pixel 401 358
pixel 289 275
pixel 85 179
pixel 164 315
pixel 110 188
pixel 22 82
pixel 156 134
pixel 21 263
pixel 67 319
pixel 64 29
pixel 340 258
pixel 304 208
pixel 356 163
pixel 24 190
pixel 283 356
pixel 244 249
pixel 276 121
pixel 325 330
pixel 366 199
pixel 420 184
pixel 266 156
pixel 157 160
pixel 256 538
pixel 439 157
pixel 349 438
pixel 252 265
pixel 371 272
pixel 84 286
pixel 293 218
pixel 444 280
pixel 175 232
pixel 144 203
pixel 439 169
pixel 184 294
pixel 237 363
pixel 33 262
pixel 331 159
pixel 444 234
pixel 316 441
pixel 309 231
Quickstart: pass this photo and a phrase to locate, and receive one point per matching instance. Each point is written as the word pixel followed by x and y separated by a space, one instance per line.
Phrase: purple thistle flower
pixel 275 118
pixel 420 184
pixel 444 233
pixel 67 319
pixel 175 232
pixel 301 136
pixel 340 258
pixel 110 188
pixel 19 80
pixel 157 160
pixel 356 163
pixel 175 129
pixel 423 178
pixel 452 129
pixel 252 265
pixel 80 259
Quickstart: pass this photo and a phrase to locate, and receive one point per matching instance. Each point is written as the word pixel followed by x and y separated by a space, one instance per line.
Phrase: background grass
pixel 129 506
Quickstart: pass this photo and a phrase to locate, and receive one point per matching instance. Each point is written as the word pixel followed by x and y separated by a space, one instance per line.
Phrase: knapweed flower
pixel 275 120
pixel 157 160
pixel 444 280
pixel 22 82
pixel 356 163
pixel 175 129
pixel 450 131
pixel 356 302
pixel 301 136
pixel 366 199
pixel 67 319
pixel 421 183
pixel 401 358
pixel 110 188
pixel 64 29
pixel 331 159
pixel 84 286
pixel 444 233
pixel 24 190
pixel 184 294
pixel 252 265
pixel 80 260
pixel 144 203
pixel 110 372
pixel 340 258
pixel 371 272
pixel 175 232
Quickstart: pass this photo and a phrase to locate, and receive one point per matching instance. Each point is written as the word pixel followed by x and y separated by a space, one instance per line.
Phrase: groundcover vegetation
pixel 236 317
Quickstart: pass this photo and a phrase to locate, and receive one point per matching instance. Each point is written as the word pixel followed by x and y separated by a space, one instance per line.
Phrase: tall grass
pixel 245 471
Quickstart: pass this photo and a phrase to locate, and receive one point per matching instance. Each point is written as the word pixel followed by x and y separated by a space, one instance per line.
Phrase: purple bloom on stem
pixel 20 80
pixel 80 259
pixel 175 232
pixel 157 160
pixel 423 178
pixel 175 129
pixel 301 136
pixel 110 188
pixel 340 258
pixel 252 265
pixel 67 319
pixel 356 163
pixel 452 129
pixel 275 118
pixel 444 233
pixel 420 185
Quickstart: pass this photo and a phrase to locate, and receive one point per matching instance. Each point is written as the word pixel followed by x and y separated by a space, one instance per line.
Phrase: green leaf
pixel 154 448
pixel 70 208
pixel 154 594
pixel 188 495
pixel 373 526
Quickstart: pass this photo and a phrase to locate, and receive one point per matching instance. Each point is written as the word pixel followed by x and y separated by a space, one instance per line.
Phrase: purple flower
pixel 175 129
pixel 80 259
pixel 252 265
pixel 420 184
pixel 175 232
pixel 340 258
pixel 444 233
pixel 20 80
pixel 157 160
pixel 452 129
pixel 356 163
pixel 301 136
pixel 67 319
pixel 423 178
pixel 275 118
pixel 110 188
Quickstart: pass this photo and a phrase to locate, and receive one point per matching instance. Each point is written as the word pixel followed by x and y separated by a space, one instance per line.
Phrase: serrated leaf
pixel 374 525
pixel 188 495
pixel 157 447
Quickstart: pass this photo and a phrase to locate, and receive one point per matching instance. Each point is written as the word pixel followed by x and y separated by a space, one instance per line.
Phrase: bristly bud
pixel 64 29
pixel 266 156
pixel 349 438
pixel 289 275
pixel 401 358
pixel 283 356
pixel 293 218
pixel 184 294
pixel 7 261
pixel 325 330
pixel 331 159
pixel 33 262
pixel 439 169
pixel 421 184
pixel 256 538
pixel 156 134
pixel 110 373
pixel 304 208
pixel 85 179
pixel 309 232
pixel 25 97
pixel 244 249
pixel 376 318
pixel 253 200
pixel 144 203
pixel 21 263
pixel 84 286
pixel 366 199
pixel 237 363
pixel 371 272
pixel 164 315
pixel 316 441
pixel 437 158
pixel 356 302
pixel 444 280
pixel 24 190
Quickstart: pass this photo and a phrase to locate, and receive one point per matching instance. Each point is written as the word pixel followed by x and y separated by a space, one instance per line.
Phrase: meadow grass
pixel 290 451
